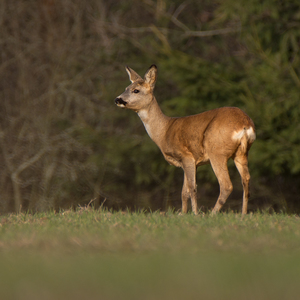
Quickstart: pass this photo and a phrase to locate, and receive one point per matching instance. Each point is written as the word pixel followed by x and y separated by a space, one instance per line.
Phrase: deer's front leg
pixel 185 195
pixel 189 189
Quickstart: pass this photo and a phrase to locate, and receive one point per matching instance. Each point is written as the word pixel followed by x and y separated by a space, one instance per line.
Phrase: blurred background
pixel 64 143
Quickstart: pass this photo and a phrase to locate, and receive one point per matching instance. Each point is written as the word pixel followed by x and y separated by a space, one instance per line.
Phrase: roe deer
pixel 211 137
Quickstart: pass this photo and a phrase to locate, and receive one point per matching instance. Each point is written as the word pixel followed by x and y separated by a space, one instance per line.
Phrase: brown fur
pixel 210 137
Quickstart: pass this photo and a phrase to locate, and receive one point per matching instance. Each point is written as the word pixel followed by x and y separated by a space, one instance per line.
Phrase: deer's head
pixel 139 94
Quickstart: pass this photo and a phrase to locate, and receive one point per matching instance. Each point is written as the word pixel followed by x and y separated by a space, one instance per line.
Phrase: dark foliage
pixel 64 143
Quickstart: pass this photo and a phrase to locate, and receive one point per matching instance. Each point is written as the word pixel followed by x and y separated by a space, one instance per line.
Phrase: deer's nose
pixel 120 101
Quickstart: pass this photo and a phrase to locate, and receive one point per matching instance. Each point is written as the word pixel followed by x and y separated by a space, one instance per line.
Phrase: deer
pixel 211 137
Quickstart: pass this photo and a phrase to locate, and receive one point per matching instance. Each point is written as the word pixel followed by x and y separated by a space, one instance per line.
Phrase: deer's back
pixel 199 135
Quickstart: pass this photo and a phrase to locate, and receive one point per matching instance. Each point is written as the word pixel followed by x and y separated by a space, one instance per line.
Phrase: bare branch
pixel 186 33
pixel 29 162
pixel 180 8
pixel 212 32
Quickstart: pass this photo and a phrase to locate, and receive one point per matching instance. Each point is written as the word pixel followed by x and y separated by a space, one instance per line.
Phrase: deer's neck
pixel 155 122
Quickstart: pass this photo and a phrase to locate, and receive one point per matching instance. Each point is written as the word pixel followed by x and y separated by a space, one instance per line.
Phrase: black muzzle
pixel 120 101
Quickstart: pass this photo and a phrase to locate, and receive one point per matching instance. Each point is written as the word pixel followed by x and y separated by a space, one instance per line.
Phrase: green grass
pixel 102 255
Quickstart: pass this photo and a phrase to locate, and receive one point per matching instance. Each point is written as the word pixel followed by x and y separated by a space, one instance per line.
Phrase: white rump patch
pixel 251 134
pixel 237 135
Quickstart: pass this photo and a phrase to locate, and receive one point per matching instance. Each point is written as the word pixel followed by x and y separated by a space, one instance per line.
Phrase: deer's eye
pixel 136 91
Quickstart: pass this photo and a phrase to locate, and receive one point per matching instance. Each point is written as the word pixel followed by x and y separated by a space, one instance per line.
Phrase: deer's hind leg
pixel 241 162
pixel 219 165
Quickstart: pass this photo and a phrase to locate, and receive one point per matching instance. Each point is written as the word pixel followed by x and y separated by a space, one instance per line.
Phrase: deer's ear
pixel 133 76
pixel 151 75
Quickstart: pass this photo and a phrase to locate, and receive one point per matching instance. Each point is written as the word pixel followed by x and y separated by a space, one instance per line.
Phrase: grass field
pixel 101 255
